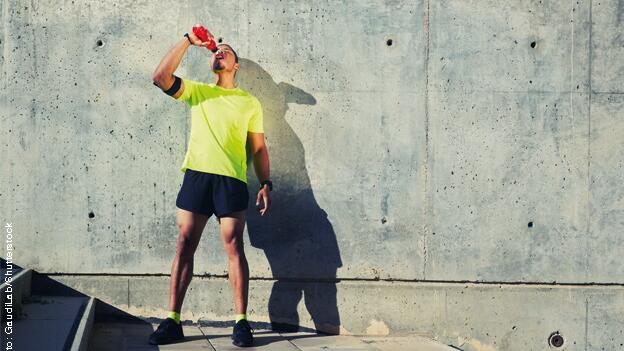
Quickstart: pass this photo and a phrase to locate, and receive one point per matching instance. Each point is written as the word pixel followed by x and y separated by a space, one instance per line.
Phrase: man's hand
pixel 263 195
pixel 197 42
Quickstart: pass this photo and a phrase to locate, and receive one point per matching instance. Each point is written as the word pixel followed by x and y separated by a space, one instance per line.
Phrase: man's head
pixel 224 60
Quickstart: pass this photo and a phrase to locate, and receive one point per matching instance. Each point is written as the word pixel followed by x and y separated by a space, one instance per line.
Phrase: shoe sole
pixel 166 342
pixel 241 344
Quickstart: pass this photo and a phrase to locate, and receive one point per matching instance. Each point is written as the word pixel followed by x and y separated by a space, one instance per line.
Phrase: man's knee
pixel 234 248
pixel 187 242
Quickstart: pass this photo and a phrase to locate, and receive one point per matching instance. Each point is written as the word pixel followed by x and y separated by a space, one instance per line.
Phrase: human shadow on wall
pixel 296 235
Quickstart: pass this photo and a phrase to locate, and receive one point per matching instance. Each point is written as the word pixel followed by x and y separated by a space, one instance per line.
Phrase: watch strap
pixel 188 37
pixel 269 182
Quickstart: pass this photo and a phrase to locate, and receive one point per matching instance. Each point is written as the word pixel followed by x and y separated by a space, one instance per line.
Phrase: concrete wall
pixel 478 158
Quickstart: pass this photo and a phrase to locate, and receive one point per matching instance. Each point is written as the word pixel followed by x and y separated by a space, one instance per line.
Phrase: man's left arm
pixel 261 166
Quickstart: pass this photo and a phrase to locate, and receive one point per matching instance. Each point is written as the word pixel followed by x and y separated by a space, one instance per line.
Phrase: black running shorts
pixel 209 193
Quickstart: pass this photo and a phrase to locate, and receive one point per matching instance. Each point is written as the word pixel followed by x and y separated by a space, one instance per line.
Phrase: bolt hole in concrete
pixel 533 44
pixel 389 42
pixel 530 224
pixel 91 214
pixel 220 40
pixel 99 43
pixel 555 339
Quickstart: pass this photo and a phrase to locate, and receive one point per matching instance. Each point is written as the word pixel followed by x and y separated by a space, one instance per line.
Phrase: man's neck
pixel 226 82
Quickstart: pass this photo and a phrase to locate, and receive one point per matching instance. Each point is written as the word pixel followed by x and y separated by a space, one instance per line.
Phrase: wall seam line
pixel 426 201
pixel 586 320
pixel 340 280
pixel 588 199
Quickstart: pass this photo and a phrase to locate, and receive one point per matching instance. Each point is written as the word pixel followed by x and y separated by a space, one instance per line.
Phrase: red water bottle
pixel 202 33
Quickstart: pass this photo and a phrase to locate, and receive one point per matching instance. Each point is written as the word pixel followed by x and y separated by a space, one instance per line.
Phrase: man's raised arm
pixel 163 75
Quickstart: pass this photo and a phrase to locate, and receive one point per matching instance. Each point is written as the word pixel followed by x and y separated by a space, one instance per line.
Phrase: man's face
pixel 223 60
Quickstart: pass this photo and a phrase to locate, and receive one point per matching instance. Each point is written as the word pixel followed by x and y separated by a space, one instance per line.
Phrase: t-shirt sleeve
pixel 190 91
pixel 256 120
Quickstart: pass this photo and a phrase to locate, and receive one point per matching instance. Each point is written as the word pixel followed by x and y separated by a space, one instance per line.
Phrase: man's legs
pixel 191 226
pixel 232 227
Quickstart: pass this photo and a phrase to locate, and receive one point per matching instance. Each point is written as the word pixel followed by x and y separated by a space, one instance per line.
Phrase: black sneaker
pixel 241 335
pixel 167 332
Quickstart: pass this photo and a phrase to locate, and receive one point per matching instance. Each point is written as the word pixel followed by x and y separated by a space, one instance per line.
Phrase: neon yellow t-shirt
pixel 220 120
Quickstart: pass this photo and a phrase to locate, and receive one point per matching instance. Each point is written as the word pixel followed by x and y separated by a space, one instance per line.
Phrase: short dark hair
pixel 235 54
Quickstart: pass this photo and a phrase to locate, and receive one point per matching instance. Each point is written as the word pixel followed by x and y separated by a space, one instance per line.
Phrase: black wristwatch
pixel 270 183
pixel 189 38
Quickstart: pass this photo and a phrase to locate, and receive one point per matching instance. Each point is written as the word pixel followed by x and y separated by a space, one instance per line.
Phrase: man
pixel 223 118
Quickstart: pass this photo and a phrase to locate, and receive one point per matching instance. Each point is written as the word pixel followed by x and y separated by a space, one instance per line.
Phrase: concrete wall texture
pixel 452 168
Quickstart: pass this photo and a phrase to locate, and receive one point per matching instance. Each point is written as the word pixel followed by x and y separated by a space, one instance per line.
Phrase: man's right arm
pixel 163 75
